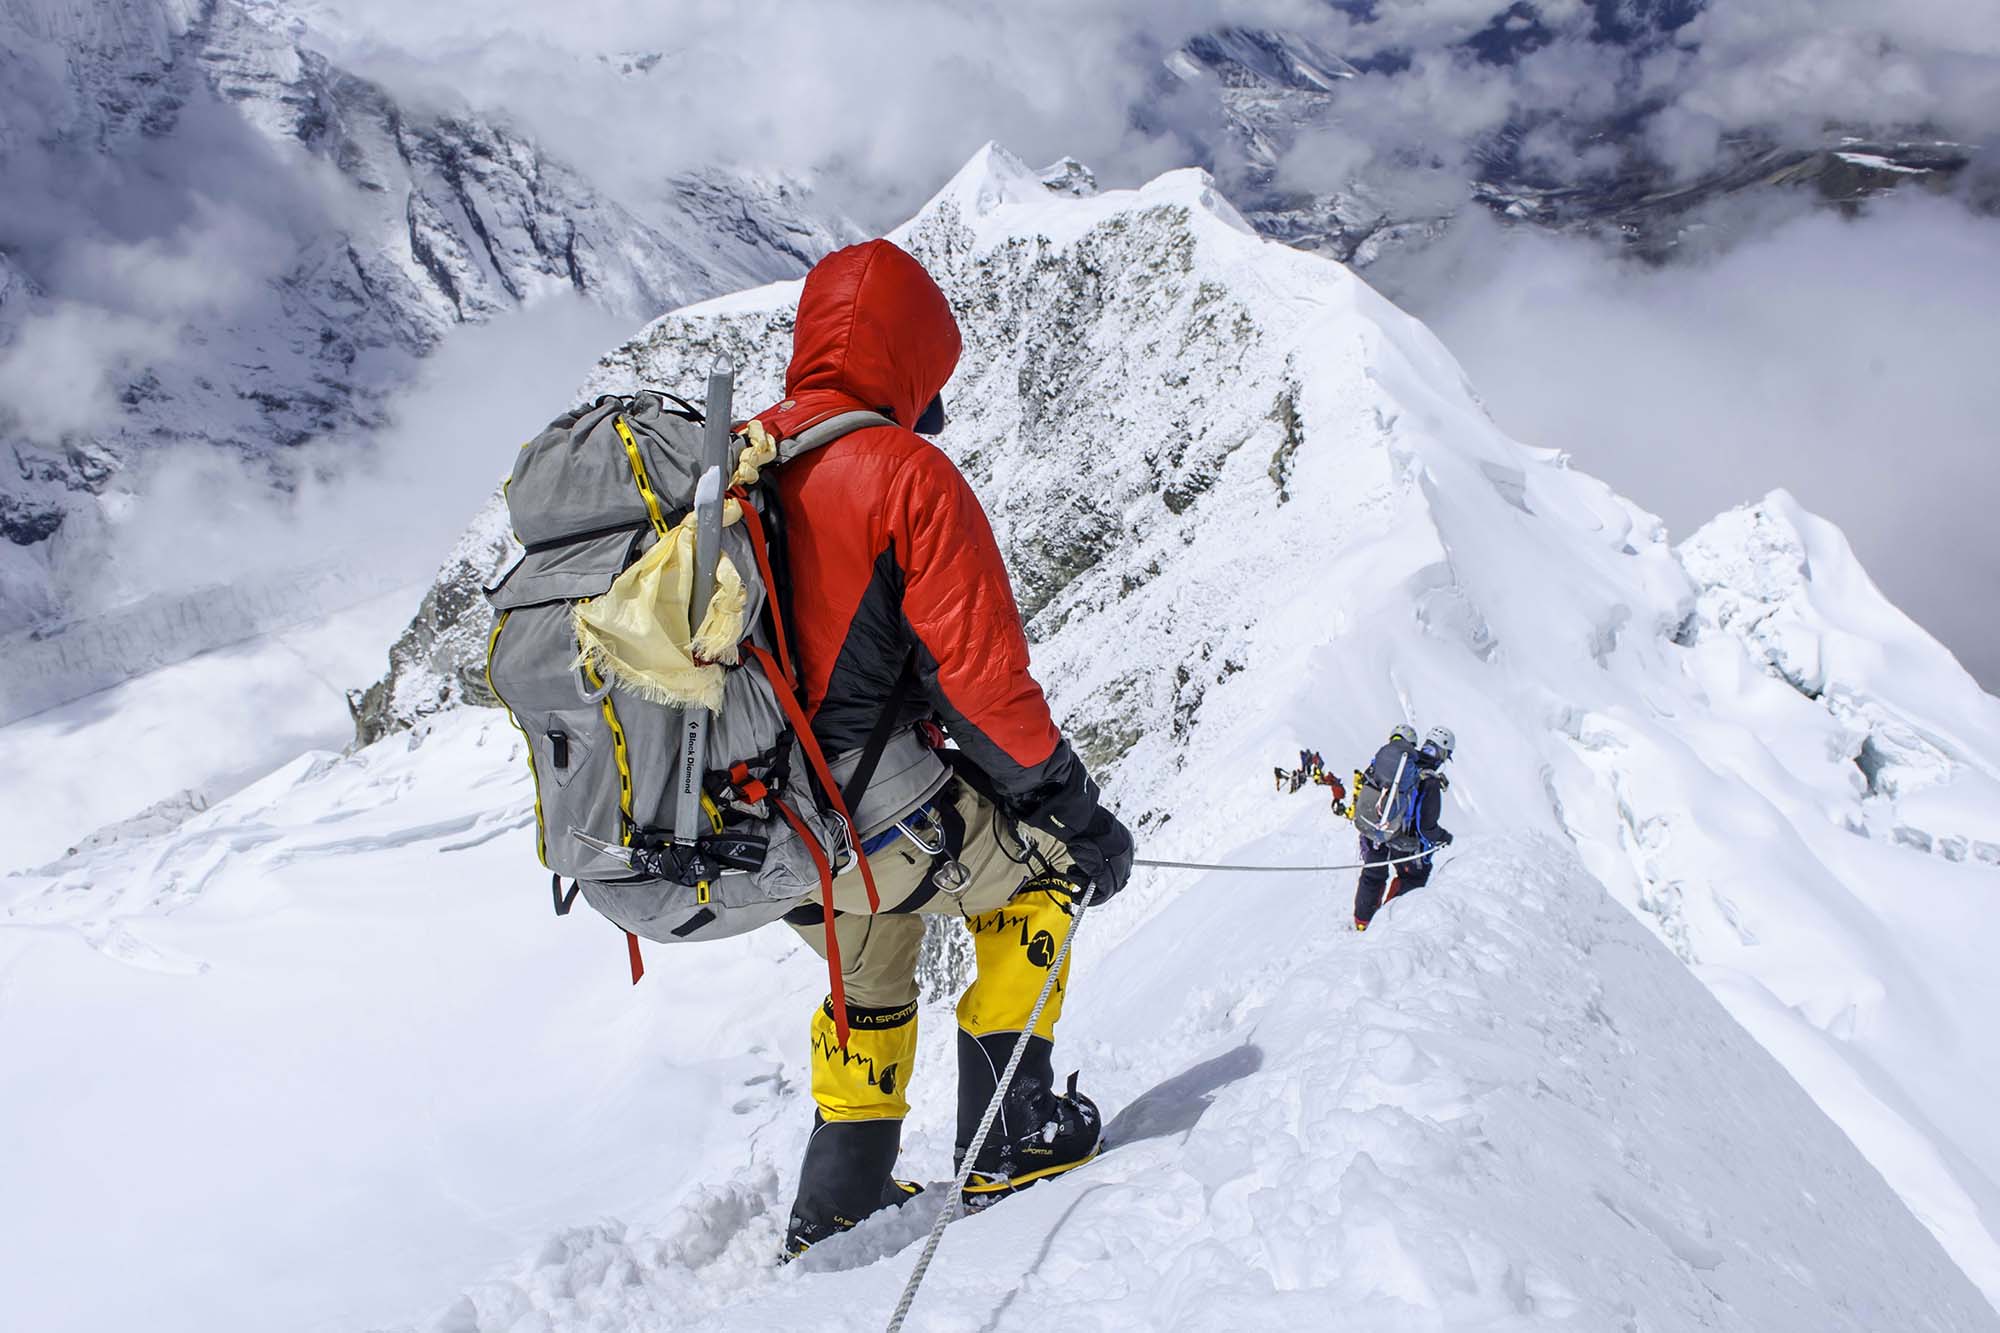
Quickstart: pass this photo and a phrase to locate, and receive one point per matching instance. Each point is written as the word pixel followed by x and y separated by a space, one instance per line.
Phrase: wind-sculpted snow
pixel 240 698
pixel 1514 1111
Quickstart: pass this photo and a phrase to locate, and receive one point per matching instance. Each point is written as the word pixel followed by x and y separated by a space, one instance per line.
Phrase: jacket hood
pixel 874 328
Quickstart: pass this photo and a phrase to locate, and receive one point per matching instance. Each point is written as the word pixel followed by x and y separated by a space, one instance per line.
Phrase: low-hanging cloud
pixel 881 98
pixel 389 506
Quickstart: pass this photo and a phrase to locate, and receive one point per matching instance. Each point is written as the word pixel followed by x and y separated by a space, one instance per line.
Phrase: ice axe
pixel 708 491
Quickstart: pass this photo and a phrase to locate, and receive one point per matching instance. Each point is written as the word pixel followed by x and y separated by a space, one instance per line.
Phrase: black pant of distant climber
pixel 1376 871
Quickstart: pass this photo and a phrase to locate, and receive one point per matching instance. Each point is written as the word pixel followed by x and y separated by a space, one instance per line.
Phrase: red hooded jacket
pixel 887 549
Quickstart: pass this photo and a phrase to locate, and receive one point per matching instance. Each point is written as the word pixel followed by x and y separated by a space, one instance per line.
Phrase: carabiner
pixel 932 849
pixel 586 693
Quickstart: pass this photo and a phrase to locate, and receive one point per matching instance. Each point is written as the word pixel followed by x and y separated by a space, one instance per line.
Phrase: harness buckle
pixel 952 878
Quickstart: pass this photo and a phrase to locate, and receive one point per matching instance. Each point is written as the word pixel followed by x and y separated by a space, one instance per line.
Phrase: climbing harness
pixel 955 1199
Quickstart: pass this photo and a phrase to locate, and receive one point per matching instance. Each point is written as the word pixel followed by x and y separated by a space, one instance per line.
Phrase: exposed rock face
pixel 330 236
pixel 440 659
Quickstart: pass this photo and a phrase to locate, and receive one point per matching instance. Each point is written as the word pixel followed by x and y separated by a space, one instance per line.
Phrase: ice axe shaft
pixel 707 551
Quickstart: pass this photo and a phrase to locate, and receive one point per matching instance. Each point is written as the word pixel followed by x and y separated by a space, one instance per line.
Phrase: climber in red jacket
pixel 904 619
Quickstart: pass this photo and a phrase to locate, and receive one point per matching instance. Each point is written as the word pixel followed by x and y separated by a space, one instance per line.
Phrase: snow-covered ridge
pixel 1786 584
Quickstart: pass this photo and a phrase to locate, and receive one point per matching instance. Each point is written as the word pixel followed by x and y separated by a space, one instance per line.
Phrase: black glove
pixel 1440 837
pixel 1096 841
pixel 1103 855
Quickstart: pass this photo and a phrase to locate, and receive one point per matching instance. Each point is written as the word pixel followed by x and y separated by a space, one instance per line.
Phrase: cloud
pixel 190 516
pixel 1849 361
pixel 66 363
pixel 884 98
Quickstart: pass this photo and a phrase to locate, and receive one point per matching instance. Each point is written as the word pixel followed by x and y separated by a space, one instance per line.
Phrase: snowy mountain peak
pixel 1788 579
pixel 991 177
pixel 996 195
pixel 1257 57
pixel 1923 737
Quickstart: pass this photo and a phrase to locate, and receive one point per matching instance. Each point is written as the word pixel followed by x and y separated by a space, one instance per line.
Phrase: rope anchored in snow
pixel 956 1198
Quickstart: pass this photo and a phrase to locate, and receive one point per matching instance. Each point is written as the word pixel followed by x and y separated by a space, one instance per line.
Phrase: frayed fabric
pixel 636 635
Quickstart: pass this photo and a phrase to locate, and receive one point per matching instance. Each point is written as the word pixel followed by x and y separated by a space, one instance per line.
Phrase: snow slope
pixel 1250 506
pixel 186 734
pixel 345 1071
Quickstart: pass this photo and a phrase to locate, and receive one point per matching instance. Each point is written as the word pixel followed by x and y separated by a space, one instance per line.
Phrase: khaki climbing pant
pixel 1016 930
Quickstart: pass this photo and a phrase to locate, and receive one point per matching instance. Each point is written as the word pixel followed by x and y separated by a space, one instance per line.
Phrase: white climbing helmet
pixel 1403 731
pixel 1441 740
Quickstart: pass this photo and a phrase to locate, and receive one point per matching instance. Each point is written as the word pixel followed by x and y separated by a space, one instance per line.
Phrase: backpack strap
pixel 878 738
pixel 760 548
pixel 826 432
pixel 795 713
pixel 836 988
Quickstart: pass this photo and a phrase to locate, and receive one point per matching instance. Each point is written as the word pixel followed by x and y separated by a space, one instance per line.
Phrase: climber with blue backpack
pixel 1396 804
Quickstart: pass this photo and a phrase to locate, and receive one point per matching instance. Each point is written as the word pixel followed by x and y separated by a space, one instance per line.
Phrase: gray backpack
pixel 587 497
pixel 1385 794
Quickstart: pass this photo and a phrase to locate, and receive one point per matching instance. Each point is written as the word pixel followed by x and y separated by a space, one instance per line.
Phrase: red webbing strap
pixel 790 703
pixel 837 990
pixel 638 963
pixel 753 524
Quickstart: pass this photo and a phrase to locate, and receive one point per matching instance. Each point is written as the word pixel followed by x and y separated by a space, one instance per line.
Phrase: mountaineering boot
pixel 1039 1133
pixel 845 1178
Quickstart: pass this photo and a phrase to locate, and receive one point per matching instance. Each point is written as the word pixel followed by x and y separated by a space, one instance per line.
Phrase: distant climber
pixel 1339 793
pixel 1311 769
pixel 905 623
pixel 1396 805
